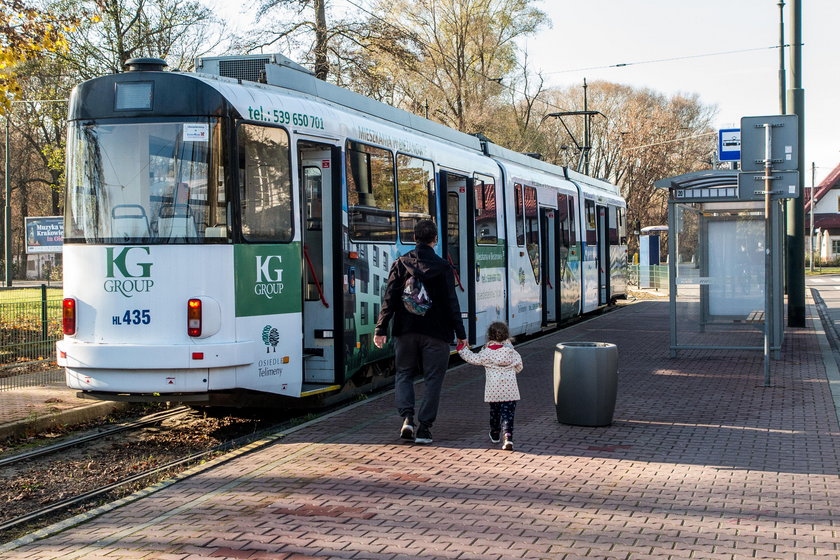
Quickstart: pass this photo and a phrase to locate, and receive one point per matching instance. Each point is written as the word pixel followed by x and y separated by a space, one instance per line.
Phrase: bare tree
pixel 176 30
pixel 642 136
pixel 306 33
pixel 461 47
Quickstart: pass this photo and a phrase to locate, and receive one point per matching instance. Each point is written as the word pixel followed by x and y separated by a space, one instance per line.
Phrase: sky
pixel 673 46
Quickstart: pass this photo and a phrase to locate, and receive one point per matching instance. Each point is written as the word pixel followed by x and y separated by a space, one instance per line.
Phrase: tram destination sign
pixel 784 135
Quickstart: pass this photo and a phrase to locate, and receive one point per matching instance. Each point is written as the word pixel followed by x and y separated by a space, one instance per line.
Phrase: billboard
pixel 44 234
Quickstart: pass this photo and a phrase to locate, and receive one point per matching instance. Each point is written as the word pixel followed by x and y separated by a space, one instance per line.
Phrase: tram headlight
pixel 194 317
pixel 68 316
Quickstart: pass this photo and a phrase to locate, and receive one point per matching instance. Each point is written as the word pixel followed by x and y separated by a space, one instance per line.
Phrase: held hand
pixel 379 340
pixel 462 342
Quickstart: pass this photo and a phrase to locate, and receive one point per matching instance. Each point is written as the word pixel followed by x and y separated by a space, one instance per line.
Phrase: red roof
pixel 830 182
pixel 824 221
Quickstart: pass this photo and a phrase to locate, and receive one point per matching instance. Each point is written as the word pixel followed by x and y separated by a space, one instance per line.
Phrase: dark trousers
pixel 416 353
pixel 501 417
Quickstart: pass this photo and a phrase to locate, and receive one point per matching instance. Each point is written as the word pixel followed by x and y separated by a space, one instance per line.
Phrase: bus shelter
pixel 722 279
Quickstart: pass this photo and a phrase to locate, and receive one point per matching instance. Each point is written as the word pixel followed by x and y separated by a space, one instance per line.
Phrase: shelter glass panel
pixel 719 280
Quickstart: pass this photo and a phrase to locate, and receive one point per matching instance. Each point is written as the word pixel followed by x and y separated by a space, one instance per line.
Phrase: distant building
pixel 826 217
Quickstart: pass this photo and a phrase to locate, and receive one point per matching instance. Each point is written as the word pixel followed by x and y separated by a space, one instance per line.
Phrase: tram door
pixel 316 166
pixel 548 248
pixel 603 254
pixel 458 249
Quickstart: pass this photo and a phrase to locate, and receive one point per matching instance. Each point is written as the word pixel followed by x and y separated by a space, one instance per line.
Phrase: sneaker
pixel 494 437
pixel 508 444
pixel 407 430
pixel 424 435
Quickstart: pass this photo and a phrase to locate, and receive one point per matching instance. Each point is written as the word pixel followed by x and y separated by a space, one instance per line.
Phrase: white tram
pixel 228 233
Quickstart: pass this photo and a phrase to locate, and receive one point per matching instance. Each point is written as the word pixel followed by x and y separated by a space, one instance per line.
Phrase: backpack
pixel 415 298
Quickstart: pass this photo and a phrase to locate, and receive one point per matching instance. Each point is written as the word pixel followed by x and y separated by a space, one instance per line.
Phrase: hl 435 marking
pixel 133 317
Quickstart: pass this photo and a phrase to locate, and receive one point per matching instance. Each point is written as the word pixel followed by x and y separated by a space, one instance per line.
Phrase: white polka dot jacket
pixel 501 364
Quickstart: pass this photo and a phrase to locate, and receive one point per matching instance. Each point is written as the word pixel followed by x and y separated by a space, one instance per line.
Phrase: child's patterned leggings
pixel 501 416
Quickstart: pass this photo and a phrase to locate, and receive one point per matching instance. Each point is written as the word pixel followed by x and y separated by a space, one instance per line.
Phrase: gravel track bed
pixel 37 483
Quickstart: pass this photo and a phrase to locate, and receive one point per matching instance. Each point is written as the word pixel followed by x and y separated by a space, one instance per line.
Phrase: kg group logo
pixel 269 281
pixel 124 272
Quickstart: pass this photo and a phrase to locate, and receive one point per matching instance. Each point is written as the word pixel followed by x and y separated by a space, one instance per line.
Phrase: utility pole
pixel 782 85
pixel 795 230
pixel 813 202
pixel 583 160
pixel 7 230
pixel 586 145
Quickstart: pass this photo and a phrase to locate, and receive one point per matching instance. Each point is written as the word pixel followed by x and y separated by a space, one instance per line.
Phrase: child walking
pixel 501 364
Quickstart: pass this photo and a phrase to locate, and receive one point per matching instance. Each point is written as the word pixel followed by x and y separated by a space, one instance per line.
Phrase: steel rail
pixel 134 425
pixel 81 498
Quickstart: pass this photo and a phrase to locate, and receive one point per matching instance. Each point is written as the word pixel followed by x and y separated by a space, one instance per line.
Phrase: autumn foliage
pixel 26 34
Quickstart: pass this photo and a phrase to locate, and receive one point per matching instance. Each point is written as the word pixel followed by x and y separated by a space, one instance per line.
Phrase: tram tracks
pixel 72 442
pixel 45 485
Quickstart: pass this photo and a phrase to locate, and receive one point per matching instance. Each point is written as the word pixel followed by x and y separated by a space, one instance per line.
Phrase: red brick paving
pixel 701 462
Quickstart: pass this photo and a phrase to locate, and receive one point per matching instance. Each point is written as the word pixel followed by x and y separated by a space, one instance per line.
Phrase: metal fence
pixel 30 325
pixel 649 277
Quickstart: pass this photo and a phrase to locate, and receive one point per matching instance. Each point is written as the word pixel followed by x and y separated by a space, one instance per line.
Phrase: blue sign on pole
pixel 729 144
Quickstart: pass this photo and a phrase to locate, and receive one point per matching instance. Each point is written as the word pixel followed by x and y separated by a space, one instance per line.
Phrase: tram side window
pixel 573 238
pixel 486 211
pixel 519 215
pixel 612 220
pixel 532 230
pixel 563 219
pixel 265 183
pixel 415 192
pixel 591 235
pixel 370 193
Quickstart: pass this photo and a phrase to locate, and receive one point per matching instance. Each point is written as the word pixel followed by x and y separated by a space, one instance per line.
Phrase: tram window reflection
pixel 266 188
pixel 370 193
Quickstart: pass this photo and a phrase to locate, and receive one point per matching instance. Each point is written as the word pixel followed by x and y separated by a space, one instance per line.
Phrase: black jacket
pixel 443 319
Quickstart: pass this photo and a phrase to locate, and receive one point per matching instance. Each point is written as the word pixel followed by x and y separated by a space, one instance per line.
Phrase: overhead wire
pixel 549 104
pixel 671 59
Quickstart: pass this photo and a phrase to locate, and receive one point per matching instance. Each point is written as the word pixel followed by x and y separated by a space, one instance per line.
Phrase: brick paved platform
pixel 702 462
pixel 32 410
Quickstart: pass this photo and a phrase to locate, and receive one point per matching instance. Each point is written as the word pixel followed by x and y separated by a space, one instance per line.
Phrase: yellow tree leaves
pixel 26 34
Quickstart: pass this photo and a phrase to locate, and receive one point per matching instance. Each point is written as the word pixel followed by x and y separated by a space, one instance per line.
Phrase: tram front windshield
pixel 145 182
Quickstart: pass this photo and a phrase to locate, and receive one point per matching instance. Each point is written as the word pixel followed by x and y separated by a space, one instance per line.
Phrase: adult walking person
pixel 420 339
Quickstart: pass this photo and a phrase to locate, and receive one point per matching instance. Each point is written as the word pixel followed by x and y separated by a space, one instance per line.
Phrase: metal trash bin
pixel 585 382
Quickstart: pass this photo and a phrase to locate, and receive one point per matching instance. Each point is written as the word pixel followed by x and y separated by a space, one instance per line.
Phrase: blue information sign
pixel 44 234
pixel 729 144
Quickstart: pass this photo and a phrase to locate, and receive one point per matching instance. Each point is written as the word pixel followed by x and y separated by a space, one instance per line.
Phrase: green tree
pixel 27 34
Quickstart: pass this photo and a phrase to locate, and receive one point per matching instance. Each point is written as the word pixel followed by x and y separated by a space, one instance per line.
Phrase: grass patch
pixel 25 335
pixel 823 270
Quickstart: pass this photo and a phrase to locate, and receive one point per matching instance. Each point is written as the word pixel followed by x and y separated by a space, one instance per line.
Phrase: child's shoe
pixel 508 444
pixel 495 437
